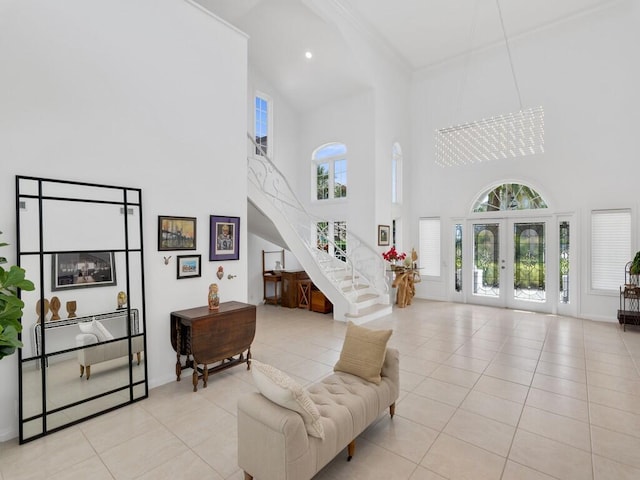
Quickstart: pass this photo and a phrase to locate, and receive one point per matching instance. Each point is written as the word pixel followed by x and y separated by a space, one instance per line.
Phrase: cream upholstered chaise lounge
pixel 95 351
pixel 295 441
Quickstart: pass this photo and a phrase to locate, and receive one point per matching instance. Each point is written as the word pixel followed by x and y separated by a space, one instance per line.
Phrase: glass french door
pixel 509 263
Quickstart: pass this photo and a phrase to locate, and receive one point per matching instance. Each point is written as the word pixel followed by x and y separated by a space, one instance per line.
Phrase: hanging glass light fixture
pixel 503 136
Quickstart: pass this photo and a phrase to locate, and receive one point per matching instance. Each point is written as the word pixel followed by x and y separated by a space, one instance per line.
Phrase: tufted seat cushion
pixel 273 443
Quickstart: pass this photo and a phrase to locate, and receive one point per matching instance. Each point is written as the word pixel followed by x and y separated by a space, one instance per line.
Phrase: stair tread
pixel 348 288
pixel 365 297
pixel 369 310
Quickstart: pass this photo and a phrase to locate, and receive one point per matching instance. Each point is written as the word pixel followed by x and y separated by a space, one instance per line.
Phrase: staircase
pixel 356 286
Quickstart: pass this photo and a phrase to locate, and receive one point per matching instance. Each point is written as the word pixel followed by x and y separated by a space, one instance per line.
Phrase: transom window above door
pixel 509 196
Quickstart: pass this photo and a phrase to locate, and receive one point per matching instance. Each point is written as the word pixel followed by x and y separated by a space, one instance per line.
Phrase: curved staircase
pixel 356 286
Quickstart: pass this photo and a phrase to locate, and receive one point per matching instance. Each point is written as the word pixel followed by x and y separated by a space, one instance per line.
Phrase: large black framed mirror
pixel 84 338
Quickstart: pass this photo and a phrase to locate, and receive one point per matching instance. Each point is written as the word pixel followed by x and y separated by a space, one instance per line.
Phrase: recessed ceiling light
pixel 308 55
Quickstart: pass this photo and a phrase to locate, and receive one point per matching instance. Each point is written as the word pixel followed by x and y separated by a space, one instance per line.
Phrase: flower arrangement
pixel 392 255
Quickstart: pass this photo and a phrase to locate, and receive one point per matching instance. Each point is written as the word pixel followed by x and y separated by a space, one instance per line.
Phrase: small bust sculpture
pixel 122 300
pixel 214 300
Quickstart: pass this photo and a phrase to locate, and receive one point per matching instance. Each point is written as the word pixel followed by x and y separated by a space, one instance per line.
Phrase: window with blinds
pixel 610 248
pixel 429 260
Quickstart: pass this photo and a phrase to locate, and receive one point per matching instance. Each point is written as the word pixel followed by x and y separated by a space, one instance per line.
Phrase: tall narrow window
pixel 340 240
pixel 393 232
pixel 458 257
pixel 329 164
pixel 610 248
pixel 396 173
pixel 430 246
pixel 262 124
pixel 564 235
pixel 322 232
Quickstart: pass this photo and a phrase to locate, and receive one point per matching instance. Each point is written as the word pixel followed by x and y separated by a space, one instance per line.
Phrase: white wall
pixel 584 74
pixel 350 121
pixel 148 94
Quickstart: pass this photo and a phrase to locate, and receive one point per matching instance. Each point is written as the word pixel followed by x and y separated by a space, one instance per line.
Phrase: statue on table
pixel 122 300
pixel 214 299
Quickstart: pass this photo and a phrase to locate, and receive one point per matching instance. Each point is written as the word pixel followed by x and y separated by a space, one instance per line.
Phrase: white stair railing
pixel 361 264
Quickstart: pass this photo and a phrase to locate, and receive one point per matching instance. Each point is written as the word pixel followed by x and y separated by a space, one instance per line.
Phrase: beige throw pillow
pixel 286 392
pixel 363 352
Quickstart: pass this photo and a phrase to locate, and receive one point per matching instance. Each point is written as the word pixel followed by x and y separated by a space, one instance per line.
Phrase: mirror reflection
pixel 83 325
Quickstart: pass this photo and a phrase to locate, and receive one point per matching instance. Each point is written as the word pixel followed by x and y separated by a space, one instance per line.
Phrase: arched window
pixel 330 171
pixel 509 196
pixel 396 173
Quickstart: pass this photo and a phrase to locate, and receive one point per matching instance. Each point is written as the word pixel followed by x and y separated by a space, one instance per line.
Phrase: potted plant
pixel 11 306
pixel 635 265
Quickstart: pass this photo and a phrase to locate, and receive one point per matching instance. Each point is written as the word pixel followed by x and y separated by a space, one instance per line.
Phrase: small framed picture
pixel 176 233
pixel 82 270
pixel 224 238
pixel 189 266
pixel 383 235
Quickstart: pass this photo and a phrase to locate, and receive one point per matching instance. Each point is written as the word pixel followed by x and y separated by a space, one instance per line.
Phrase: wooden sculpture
pixel 54 305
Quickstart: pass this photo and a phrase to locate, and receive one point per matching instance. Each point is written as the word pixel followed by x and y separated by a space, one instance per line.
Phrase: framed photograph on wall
pixel 384 232
pixel 224 238
pixel 176 233
pixel 82 270
pixel 189 266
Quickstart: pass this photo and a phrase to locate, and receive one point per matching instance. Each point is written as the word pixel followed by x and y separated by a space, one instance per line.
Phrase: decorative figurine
pixel 71 309
pixel 214 300
pixel 54 306
pixel 220 272
pixel 122 300
pixel 42 309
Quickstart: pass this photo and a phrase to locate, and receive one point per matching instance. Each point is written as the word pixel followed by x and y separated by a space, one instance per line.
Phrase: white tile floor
pixel 485 394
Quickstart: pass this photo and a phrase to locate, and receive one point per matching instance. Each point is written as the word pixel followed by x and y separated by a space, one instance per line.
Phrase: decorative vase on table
pixel 213 298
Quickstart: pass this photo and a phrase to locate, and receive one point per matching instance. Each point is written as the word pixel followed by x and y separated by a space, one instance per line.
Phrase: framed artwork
pixel 176 233
pixel 224 238
pixel 189 266
pixel 384 232
pixel 82 270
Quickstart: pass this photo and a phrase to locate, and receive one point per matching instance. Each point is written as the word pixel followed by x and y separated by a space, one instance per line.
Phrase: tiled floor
pixel 485 394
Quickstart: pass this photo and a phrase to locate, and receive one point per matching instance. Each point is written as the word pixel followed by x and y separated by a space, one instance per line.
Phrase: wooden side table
pixel 274 279
pixel 209 337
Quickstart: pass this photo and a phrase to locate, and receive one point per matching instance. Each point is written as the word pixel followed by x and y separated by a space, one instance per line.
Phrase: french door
pixel 509 264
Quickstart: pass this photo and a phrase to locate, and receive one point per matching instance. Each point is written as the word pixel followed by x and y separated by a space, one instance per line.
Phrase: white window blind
pixel 429 260
pixel 610 248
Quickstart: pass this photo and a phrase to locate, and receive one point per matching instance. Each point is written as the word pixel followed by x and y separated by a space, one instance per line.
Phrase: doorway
pixel 509 266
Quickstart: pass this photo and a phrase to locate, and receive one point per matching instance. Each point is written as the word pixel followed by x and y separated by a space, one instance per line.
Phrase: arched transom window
pixel 509 196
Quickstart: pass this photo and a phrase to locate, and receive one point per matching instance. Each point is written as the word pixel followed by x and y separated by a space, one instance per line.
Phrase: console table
pixel 208 337
pixel 61 334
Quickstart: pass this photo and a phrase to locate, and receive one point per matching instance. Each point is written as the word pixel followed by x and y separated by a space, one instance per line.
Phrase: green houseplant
pixel 635 265
pixel 11 306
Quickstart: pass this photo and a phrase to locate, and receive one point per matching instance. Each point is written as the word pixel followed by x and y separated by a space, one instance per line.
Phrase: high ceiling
pixel 419 33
